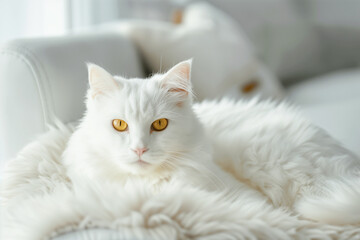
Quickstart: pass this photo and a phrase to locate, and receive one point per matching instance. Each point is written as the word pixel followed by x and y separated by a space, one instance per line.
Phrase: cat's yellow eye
pixel 119 125
pixel 160 124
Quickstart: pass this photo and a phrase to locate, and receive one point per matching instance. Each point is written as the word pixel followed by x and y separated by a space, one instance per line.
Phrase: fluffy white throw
pixel 39 202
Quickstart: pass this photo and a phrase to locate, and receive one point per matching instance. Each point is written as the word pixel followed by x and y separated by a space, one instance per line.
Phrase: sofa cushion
pixel 283 38
pixel 223 56
pixel 332 87
pixel 340 119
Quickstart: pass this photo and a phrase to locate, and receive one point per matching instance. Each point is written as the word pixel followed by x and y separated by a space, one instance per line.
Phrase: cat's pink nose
pixel 140 151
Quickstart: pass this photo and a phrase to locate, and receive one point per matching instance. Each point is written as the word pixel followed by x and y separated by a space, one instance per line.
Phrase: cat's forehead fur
pixel 140 99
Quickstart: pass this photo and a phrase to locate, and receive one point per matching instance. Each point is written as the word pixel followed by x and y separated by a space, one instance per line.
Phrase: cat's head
pixel 141 125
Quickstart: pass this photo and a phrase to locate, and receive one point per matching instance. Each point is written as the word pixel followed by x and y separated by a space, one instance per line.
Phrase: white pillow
pixel 223 56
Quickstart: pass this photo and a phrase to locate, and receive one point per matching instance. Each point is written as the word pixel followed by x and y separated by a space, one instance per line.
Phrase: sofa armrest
pixel 46 78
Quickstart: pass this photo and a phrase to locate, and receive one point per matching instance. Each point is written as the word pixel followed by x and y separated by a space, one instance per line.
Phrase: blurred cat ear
pixel 100 80
pixel 177 79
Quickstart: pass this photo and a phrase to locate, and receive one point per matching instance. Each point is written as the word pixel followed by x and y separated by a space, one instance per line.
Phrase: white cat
pixel 149 128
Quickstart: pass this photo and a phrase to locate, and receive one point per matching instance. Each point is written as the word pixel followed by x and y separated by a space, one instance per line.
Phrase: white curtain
pixel 32 18
pixel 85 13
pixel 35 18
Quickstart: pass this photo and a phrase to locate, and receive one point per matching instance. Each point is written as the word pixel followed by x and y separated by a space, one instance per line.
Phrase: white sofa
pixel 41 79
pixel 35 73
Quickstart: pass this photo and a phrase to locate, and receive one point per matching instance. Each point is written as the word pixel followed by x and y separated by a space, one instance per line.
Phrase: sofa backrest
pixel 300 38
pixel 296 39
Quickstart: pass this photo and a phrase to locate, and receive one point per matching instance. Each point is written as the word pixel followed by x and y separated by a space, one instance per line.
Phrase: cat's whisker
pixel 167 165
pixel 204 167
pixel 199 167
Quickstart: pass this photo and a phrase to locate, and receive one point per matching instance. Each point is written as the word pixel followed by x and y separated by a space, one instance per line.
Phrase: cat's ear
pixel 177 79
pixel 101 82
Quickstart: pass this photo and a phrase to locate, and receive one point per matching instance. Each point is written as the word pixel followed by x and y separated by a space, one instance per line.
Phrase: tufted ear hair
pixel 101 82
pixel 177 79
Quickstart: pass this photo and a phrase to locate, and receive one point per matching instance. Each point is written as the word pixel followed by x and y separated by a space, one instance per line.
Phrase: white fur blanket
pixel 38 202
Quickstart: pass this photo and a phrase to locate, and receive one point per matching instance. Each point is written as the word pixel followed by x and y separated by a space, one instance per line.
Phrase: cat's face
pixel 140 125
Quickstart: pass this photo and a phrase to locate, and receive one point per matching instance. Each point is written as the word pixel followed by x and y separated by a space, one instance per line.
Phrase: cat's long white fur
pixel 266 151
pixel 272 148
